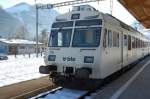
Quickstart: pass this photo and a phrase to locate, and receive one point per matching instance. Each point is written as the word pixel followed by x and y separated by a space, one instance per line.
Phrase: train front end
pixel 73 54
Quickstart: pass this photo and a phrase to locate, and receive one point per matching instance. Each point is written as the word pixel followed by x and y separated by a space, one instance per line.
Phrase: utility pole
pixel 111 7
pixel 37 38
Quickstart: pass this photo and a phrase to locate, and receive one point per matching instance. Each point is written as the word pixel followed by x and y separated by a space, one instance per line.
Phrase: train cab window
pixel 109 38
pixel 60 38
pixel 125 40
pixel 86 37
pixel 129 42
pixel 105 38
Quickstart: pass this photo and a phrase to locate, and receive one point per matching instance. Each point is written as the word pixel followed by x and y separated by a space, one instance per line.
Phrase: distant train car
pixel 86 46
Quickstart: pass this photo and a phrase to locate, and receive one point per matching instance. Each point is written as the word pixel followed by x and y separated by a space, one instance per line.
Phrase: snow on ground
pixel 19 69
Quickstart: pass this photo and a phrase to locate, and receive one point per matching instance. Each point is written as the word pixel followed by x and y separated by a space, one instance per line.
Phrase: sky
pixel 104 6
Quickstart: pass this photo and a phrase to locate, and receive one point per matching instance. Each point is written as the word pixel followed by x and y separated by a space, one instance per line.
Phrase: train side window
pixel 105 38
pixel 141 44
pixel 109 38
pixel 114 39
pixel 136 43
pixel 144 44
pixel 133 42
pixel 129 42
pixel 125 40
pixel 117 40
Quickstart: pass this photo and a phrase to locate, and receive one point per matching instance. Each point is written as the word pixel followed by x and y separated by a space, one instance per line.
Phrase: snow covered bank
pixel 19 68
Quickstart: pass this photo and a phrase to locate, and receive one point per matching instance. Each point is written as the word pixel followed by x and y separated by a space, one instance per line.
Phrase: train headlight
pixel 51 57
pixel 88 59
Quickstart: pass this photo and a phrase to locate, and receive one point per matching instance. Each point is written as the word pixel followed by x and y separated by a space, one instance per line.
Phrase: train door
pixel 122 49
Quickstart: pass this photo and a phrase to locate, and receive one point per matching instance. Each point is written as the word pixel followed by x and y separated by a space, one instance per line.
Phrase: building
pixel 19 46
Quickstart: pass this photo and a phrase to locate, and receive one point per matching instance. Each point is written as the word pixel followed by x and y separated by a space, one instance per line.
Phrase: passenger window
pixel 125 40
pixel 129 42
pixel 138 43
pixel 109 38
pixel 114 39
pixel 118 40
pixel 105 39
pixel 133 42
pixel 141 44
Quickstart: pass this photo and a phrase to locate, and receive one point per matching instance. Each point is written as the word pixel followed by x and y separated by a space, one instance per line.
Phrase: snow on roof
pixel 18 41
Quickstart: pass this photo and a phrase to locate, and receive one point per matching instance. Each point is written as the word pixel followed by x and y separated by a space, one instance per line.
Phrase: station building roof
pixel 140 9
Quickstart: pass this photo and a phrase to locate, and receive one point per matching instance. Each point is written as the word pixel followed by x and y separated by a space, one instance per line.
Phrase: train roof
pixel 122 24
pixel 89 12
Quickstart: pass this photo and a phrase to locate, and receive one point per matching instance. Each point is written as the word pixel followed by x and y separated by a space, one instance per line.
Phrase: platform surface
pixel 140 87
pixel 134 84
pixel 19 89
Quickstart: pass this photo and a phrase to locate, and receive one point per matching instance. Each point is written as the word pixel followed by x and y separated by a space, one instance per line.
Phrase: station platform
pixel 24 90
pixel 134 84
pixel 138 87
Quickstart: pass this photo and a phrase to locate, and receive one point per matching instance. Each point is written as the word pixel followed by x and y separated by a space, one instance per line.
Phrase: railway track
pixel 35 92
pixel 64 93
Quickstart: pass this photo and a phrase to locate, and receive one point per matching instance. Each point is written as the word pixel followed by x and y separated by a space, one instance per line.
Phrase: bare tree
pixel 21 33
pixel 43 36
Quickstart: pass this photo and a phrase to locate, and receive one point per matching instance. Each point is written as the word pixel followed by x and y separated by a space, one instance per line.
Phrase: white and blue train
pixel 86 46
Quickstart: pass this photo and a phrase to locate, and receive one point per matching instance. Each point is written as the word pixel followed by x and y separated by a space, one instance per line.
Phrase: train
pixel 86 46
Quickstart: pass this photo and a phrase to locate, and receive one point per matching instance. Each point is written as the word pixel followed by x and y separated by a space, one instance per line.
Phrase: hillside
pixel 9 25
pixel 27 14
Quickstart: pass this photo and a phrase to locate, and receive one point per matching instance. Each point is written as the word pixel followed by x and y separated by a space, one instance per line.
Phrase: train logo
pixel 69 59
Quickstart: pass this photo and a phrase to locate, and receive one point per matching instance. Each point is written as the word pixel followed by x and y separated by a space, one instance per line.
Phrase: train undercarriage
pixel 80 80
